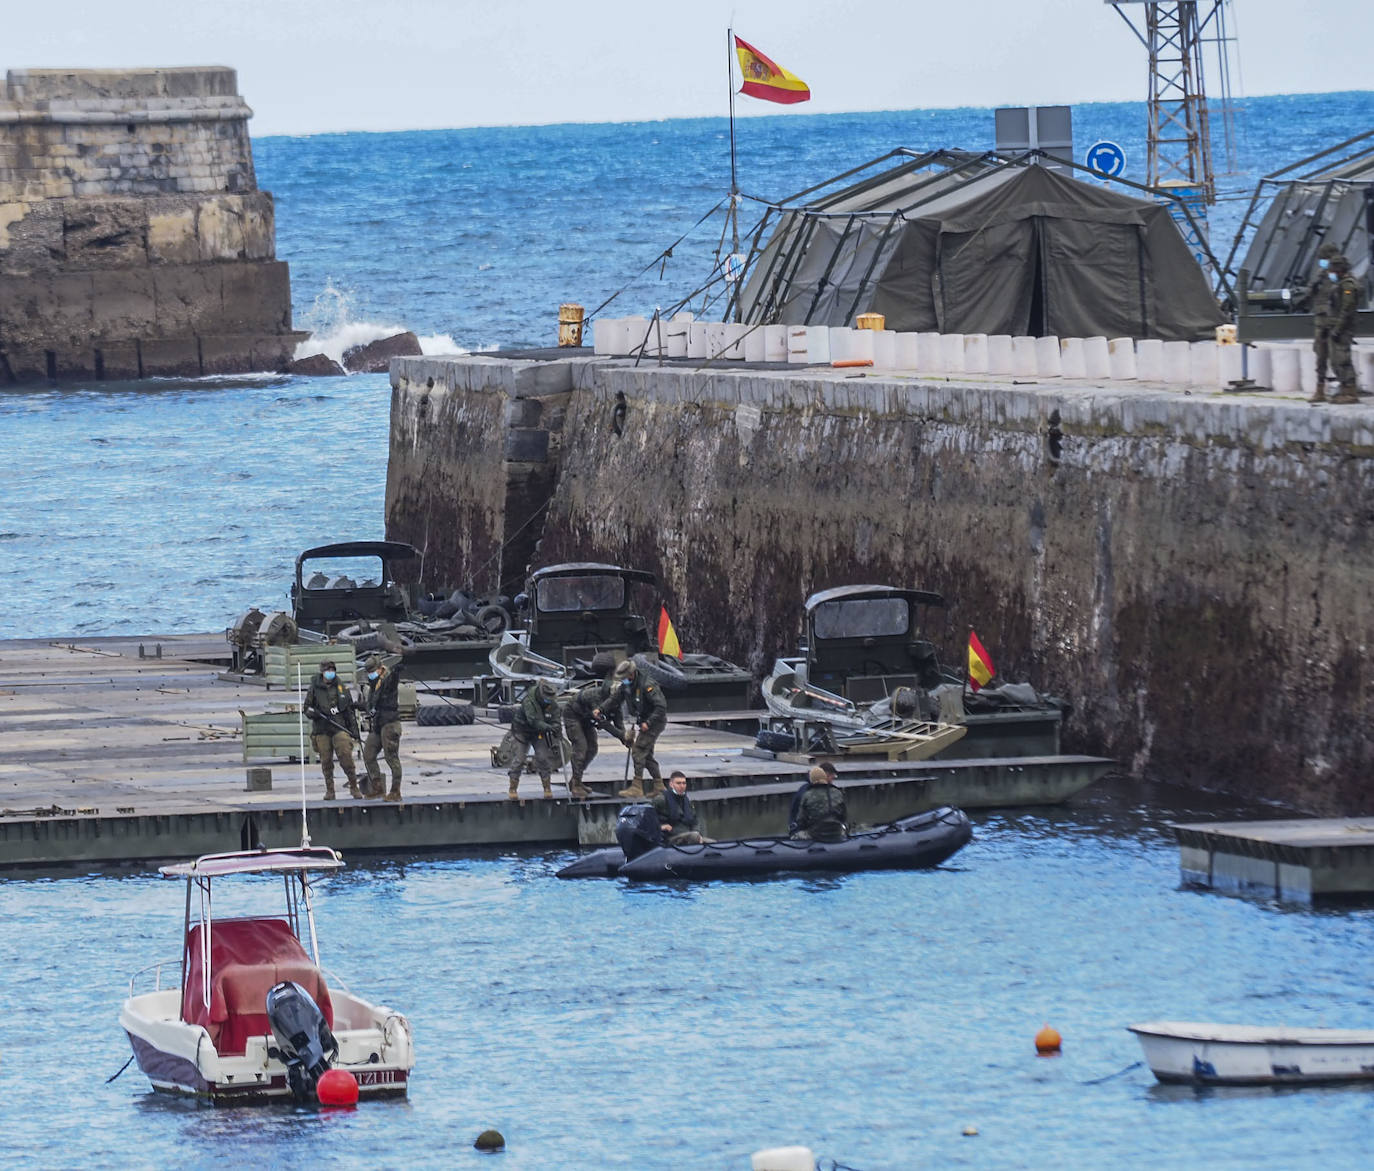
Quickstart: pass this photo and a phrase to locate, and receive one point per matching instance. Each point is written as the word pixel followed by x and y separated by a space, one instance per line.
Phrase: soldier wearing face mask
pixel 379 698
pixel 1320 294
pixel 333 726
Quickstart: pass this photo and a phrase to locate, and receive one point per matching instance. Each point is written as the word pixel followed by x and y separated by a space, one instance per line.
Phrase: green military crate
pixel 281 663
pixel 276 736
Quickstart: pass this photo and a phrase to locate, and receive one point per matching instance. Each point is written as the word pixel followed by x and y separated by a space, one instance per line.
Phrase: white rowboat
pixel 1250 1055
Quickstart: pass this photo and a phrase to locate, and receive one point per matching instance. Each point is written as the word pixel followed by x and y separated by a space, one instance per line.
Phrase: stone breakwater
pixel 1191 571
pixel 133 238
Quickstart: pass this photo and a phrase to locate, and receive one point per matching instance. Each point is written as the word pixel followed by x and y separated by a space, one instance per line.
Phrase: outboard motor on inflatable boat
pixel 638 831
pixel 304 1041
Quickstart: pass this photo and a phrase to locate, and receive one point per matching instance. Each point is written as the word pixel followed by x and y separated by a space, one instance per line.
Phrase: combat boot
pixel 1345 398
pixel 654 789
pixel 395 794
pixel 548 786
pixel 514 793
pixel 635 791
pixel 329 790
pixel 353 790
pixel 577 790
pixel 1320 396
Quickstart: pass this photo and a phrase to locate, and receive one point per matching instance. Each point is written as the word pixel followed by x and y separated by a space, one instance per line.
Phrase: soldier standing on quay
pixel 1319 297
pixel 535 725
pixel 643 699
pixel 379 697
pixel 580 720
pixel 1345 303
pixel 333 726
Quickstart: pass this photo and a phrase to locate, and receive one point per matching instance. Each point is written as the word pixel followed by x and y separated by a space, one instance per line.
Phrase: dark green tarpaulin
pixel 1014 250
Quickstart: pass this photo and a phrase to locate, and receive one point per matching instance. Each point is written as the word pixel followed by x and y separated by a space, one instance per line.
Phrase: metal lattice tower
pixel 1179 136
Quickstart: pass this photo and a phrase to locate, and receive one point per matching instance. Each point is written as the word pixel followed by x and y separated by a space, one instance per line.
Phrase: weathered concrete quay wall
pixel 1194 572
pixel 133 238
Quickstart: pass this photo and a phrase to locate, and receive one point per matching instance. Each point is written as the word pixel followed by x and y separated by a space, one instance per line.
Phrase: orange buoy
pixel 337 1087
pixel 1048 1042
pixel 843 362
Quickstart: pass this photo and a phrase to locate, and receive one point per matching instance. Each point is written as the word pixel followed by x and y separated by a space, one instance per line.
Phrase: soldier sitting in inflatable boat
pixel 818 810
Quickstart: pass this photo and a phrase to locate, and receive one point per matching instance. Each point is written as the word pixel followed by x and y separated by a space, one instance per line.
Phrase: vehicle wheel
pixel 463 713
pixel 666 673
pixel 776 741
pixel 431 715
pixel 493 619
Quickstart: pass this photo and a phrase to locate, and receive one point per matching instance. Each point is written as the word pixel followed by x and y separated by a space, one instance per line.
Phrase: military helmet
pixel 548 688
pixel 625 669
pixel 1328 252
pixel 374 663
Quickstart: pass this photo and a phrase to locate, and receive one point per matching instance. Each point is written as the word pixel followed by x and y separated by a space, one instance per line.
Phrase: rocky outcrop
pixel 1192 572
pixel 133 239
pixel 316 365
pixel 375 357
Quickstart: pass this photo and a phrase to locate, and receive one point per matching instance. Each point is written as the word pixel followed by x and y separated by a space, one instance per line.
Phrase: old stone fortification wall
pixel 1192 572
pixel 133 239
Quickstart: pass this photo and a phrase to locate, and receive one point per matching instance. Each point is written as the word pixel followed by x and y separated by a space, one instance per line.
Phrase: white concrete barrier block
pixel 732 340
pixel 1177 363
pixel 1229 360
pixel 635 330
pixel 1284 367
pixel 931 353
pixel 1364 368
pixel 1097 358
pixel 999 354
pixel 818 344
pixel 603 334
pixel 755 344
pixel 697 339
pixel 841 342
pixel 860 343
pixel 1307 370
pixel 775 343
pixel 975 353
pixel 1149 359
pixel 908 351
pixel 1202 365
pixel 1023 357
pixel 675 335
pixel 1047 364
pixel 952 350
pixel 884 348
pixel 1121 358
pixel 797 351
pixel 1259 364
pixel 1072 364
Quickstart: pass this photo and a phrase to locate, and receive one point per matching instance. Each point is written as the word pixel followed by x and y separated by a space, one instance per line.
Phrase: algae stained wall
pixel 1192 573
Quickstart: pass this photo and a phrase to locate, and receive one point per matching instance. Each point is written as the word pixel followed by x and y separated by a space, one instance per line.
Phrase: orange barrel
pixel 570 325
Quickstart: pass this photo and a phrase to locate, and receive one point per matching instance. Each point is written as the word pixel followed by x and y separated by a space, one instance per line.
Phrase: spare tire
pixel 663 671
pixel 444 714
pixel 776 741
pixel 493 619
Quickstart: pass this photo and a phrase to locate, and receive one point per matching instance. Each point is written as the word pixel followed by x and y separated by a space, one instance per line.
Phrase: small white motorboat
pixel 254 1018
pixel 511 658
pixel 1250 1055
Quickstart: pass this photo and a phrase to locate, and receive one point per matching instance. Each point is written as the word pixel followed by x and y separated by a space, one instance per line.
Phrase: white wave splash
pixel 335 329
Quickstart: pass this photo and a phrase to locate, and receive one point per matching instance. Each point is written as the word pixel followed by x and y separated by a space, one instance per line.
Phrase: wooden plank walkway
pixel 108 755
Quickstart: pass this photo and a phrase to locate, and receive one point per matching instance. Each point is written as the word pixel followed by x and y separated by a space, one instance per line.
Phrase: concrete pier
pixel 117 749
pixel 1166 556
pixel 1299 861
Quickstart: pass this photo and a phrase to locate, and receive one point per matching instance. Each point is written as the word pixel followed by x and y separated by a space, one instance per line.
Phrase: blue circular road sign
pixel 1106 157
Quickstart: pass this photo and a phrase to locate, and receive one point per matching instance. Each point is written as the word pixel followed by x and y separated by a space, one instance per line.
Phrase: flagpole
pixel 734 179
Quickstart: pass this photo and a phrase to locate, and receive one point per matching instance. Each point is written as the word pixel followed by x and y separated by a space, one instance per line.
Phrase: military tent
pixel 978 244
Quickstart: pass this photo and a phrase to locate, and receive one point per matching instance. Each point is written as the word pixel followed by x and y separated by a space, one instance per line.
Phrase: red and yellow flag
pixel 667 636
pixel 980 668
pixel 765 78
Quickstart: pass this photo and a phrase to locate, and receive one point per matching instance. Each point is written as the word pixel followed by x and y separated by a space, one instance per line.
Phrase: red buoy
pixel 337 1087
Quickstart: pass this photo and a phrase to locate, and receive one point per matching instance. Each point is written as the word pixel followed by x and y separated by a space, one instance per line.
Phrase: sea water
pixel 598 1024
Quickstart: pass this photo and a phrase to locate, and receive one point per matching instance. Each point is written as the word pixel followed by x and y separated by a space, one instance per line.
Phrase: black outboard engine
pixel 304 1041
pixel 638 831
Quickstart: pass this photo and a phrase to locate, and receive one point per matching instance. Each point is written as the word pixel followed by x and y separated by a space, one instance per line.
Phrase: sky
pixel 312 66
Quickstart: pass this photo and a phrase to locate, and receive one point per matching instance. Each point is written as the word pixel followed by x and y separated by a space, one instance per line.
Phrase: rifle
pixel 316 714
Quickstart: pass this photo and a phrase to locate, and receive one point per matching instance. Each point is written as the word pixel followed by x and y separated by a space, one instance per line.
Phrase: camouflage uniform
pixel 822 815
pixel 580 728
pixel 534 726
pixel 1319 297
pixel 326 701
pixel 1345 302
pixel 380 700
pixel 643 699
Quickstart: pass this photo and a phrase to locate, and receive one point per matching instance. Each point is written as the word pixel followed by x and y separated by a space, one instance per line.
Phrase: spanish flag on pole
pixel 980 668
pixel 765 78
pixel 667 636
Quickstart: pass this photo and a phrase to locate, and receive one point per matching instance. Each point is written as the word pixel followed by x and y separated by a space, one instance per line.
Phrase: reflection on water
pixel 872 1016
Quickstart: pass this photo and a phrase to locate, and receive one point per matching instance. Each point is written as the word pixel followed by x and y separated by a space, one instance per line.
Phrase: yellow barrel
pixel 570 325
pixel 870 321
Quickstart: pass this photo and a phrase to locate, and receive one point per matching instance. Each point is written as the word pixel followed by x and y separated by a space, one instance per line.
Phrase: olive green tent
pixel 977 244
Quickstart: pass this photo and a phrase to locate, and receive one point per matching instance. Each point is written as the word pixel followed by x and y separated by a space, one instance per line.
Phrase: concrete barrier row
pixel 1287 367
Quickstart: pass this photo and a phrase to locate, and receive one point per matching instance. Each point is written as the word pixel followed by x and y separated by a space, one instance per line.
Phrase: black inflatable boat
pixel 913 843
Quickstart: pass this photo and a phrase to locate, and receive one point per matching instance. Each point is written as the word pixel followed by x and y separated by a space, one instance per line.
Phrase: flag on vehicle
pixel 667 636
pixel 765 78
pixel 980 668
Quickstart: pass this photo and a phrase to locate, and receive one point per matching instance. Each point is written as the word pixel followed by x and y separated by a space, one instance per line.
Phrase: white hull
pixel 1211 1054
pixel 179 1058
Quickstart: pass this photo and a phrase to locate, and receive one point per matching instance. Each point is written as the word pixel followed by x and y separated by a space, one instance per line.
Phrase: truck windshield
pixel 861 618
pixel 564 594
pixel 341 573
